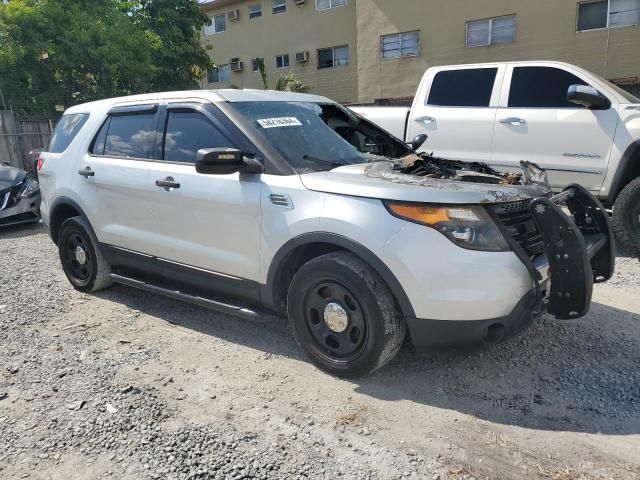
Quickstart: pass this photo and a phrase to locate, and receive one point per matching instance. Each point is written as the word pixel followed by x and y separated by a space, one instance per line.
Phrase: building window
pixel 279 6
pixel 327 4
pixel 255 11
pixel 256 62
pixel 333 57
pixel 604 13
pixel 401 45
pixel 282 61
pixel 220 74
pixel 492 31
pixel 218 25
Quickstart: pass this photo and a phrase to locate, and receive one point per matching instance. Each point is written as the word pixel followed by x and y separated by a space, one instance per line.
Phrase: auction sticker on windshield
pixel 279 122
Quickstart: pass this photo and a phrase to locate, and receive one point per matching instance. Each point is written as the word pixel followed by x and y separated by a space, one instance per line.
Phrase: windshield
pixel 626 95
pixel 319 136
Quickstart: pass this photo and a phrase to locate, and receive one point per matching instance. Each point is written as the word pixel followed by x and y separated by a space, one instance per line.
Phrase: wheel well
pixel 61 213
pixel 631 170
pixel 292 263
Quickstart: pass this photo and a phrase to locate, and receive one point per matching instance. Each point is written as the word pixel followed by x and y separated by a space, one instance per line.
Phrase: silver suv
pixel 250 201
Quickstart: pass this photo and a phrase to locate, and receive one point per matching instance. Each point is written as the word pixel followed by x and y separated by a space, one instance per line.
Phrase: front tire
pixel 626 217
pixel 344 316
pixel 82 260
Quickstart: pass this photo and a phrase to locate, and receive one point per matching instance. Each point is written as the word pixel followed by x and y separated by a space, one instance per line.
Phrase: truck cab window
pixel 469 87
pixel 188 131
pixel 541 87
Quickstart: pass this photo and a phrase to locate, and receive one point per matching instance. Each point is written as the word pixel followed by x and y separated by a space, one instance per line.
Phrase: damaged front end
pixel 571 229
pixel 422 165
pixel 19 197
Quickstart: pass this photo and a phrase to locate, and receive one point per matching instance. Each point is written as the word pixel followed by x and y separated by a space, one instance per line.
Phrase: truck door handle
pixel 167 183
pixel 425 119
pixel 86 172
pixel 513 121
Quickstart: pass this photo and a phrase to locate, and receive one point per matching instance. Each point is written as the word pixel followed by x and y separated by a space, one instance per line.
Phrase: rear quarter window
pixel 66 130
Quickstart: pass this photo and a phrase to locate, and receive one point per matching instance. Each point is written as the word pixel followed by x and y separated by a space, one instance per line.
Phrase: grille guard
pixel 579 247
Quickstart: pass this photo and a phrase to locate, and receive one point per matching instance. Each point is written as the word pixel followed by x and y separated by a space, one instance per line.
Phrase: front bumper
pixel 24 210
pixel 578 252
pixel 443 334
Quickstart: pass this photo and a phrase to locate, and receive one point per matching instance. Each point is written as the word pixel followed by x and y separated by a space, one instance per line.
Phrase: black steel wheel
pixel 77 259
pixel 335 320
pixel 344 316
pixel 81 257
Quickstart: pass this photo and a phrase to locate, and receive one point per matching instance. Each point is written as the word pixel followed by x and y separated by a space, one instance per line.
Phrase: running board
pixel 246 313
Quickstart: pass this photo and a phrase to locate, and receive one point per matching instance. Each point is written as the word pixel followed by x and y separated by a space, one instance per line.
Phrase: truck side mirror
pixel 224 161
pixel 418 141
pixel 586 96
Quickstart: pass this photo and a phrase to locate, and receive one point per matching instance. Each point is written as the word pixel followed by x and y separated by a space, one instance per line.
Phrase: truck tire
pixel 344 316
pixel 626 217
pixel 82 260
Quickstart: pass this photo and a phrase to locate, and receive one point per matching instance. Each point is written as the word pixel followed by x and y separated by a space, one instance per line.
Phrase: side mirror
pixel 6 164
pixel 418 141
pixel 224 161
pixel 586 96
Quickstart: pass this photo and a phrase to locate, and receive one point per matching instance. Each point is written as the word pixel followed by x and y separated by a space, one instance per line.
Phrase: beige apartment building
pixel 375 51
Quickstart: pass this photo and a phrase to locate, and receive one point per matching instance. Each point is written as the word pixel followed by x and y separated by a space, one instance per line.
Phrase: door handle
pixel 167 183
pixel 425 119
pixel 513 121
pixel 86 172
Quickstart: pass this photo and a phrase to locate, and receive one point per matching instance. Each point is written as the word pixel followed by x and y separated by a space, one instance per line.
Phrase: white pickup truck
pixel 579 127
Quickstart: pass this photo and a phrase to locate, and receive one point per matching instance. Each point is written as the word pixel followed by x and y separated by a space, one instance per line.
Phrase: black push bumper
pixel 579 247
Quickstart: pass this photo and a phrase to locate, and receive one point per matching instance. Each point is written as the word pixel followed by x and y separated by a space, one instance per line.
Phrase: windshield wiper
pixel 325 162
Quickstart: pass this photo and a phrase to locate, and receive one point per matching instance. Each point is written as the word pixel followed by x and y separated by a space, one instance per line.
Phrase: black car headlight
pixel 30 187
pixel 468 226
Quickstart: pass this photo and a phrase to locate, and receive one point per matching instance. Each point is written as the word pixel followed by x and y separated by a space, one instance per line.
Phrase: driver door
pixel 207 222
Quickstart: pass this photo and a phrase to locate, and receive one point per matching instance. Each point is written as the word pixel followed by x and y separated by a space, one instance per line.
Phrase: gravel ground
pixel 127 385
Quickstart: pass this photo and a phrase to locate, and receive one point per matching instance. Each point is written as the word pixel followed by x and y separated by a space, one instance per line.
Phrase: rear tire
pixel 82 260
pixel 344 316
pixel 626 217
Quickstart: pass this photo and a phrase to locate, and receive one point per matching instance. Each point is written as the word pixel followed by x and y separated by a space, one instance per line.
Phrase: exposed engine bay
pixel 426 165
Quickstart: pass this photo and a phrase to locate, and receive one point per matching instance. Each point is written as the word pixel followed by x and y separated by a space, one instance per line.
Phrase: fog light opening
pixel 494 333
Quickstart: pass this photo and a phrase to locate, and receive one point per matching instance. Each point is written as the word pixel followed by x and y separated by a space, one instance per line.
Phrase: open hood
pixel 380 180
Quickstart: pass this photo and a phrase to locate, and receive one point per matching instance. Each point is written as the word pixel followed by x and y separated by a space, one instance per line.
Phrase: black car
pixel 19 197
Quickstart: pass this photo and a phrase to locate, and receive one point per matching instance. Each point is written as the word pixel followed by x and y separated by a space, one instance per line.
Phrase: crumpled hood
pixel 10 176
pixel 379 180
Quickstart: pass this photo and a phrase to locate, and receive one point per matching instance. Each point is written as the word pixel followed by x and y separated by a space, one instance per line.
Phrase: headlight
pixel 31 187
pixel 467 226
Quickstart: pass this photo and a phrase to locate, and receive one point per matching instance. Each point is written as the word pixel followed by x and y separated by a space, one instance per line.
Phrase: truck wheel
pixel 626 217
pixel 344 316
pixel 82 260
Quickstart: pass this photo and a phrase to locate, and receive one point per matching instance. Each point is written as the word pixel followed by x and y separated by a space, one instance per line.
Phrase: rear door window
pixel 131 135
pixel 66 130
pixel 463 88
pixel 187 131
pixel 541 87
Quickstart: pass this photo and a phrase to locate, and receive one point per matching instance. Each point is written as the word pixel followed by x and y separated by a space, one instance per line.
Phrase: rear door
pixel 211 222
pixel 112 179
pixel 458 112
pixel 538 124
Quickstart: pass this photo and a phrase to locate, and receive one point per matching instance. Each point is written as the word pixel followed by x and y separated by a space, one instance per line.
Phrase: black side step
pixel 246 313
